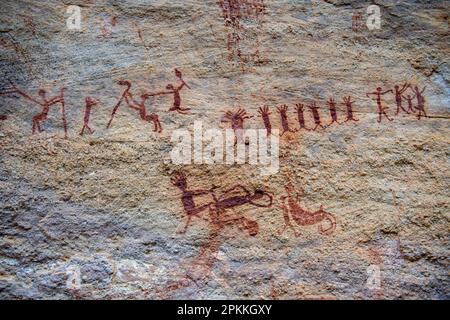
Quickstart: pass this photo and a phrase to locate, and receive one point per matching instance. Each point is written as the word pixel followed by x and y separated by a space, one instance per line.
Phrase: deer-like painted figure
pixel 303 217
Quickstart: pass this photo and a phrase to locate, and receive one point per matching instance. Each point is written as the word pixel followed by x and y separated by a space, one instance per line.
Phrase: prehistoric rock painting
pixel 333 112
pixel 176 93
pixel 420 102
pixel 302 217
pixel 299 107
pixel 316 115
pixel 409 99
pixel 242 43
pixel 217 208
pixel 45 103
pixel 187 198
pixel 236 118
pixel 349 107
pixel 264 112
pixel 139 106
pixel 398 92
pixel 221 214
pixel 90 102
pixel 381 109
pixel 284 119
pixel 398 97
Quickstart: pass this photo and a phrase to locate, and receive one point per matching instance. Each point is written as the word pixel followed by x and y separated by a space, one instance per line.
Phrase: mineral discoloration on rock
pixel 98 215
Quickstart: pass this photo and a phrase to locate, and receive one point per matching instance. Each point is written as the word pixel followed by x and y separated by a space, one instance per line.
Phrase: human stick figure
pixel 45 103
pixel 176 93
pixel 90 102
pixel 333 113
pixel 284 119
pixel 140 106
pixel 420 102
pixel 315 112
pixel 116 107
pixel 381 109
pixel 264 112
pixel 348 103
pixel 409 99
pixel 398 97
pixel 236 118
pixel 299 107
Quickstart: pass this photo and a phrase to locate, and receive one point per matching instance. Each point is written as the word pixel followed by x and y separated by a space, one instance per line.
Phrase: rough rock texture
pixel 96 216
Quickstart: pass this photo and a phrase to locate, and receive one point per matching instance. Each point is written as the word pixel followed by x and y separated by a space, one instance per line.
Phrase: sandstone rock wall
pixel 98 215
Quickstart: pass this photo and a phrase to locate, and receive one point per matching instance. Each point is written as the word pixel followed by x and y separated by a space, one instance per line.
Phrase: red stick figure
pixel 140 106
pixel 315 112
pixel 176 94
pixel 90 102
pixel 333 113
pixel 420 102
pixel 116 107
pixel 301 116
pixel 264 112
pixel 284 119
pixel 398 97
pixel 45 104
pixel 381 109
pixel 348 103
pixel 237 122
pixel 409 99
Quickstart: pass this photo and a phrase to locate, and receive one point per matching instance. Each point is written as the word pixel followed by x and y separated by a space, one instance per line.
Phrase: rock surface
pixel 96 216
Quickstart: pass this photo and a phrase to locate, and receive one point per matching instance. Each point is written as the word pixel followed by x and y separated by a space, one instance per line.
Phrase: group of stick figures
pixel 45 103
pixel 237 118
pixel 398 92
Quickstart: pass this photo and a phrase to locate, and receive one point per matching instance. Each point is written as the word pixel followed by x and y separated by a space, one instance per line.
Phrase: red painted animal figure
pixel 333 112
pixel 238 196
pixel 299 107
pixel 264 112
pixel 381 109
pixel 420 102
pixel 284 119
pixel 176 94
pixel 302 217
pixel 140 106
pixel 3 117
pixel 45 103
pixel 90 102
pixel 348 103
pixel 187 198
pixel 315 112
pixel 237 122
pixel 409 99
pixel 398 97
